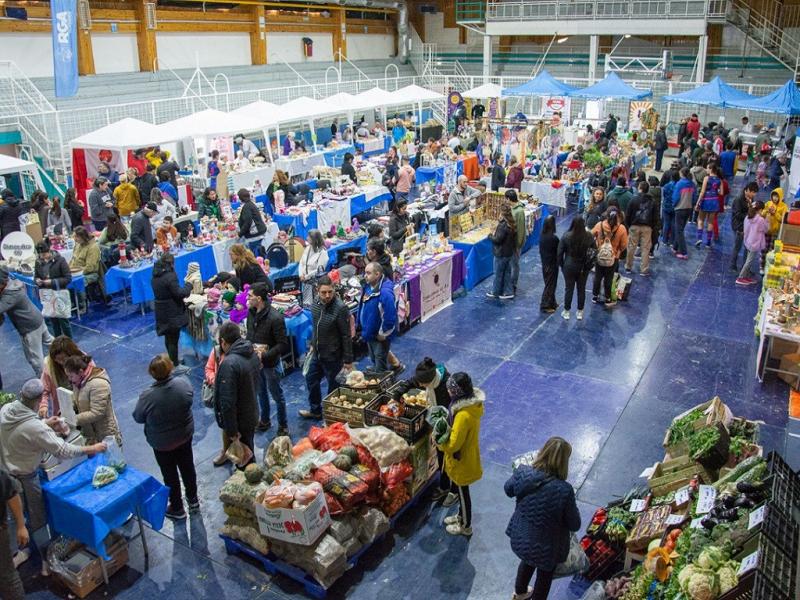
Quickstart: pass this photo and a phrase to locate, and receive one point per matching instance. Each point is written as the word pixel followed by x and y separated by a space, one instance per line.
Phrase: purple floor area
pixel 610 384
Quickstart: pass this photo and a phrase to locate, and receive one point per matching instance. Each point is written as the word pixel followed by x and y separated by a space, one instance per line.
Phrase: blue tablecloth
pixel 359 244
pixel 139 279
pixel 479 259
pixel 78 510
pixel 387 143
pixel 78 284
pixel 302 226
pixel 335 156
pixel 426 174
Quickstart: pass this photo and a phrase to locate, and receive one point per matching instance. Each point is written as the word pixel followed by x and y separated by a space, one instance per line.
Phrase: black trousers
pixel 444 480
pixel 248 439
pixel 573 279
pixel 171 342
pixel 604 276
pixel 550 275
pixel 173 463
pixel 541 588
pixel 465 504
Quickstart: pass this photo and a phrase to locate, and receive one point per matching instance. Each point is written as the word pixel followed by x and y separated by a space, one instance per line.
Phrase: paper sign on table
pixel 648 472
pixel 682 496
pixel 706 499
pixel 675 519
pixel 749 563
pixel 757 516
pixel 696 523
pixel 638 505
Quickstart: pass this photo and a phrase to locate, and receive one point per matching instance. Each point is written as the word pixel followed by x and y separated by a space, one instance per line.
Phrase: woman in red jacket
pixel 515 174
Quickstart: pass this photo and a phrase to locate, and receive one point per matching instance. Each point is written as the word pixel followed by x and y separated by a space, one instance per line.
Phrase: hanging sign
pixel 65 47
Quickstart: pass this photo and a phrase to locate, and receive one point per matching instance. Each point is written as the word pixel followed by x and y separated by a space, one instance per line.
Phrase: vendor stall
pixel 299 164
pixel 375 145
pixel 23 168
pixel 431 284
pixel 547 192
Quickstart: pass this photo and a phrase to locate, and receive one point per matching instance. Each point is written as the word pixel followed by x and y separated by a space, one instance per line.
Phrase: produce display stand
pixel 313 588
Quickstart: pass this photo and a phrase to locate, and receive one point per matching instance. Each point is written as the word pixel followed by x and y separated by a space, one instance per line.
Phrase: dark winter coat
pixel 208 208
pixel 252 274
pixel 169 309
pixel 548 250
pixel 739 213
pixel 442 397
pixel 145 184
pixel 594 214
pixel 641 211
pixel 397 232
pixel 330 334
pixel 349 170
pixel 97 204
pixel 600 181
pixel 56 270
pixel 385 261
pixel 545 515
pixel 504 241
pixel 660 140
pixel 268 327
pixel 572 251
pixel 10 212
pixel 515 177
pixel 165 409
pixel 498 177
pixel 141 232
pixel 251 224
pixel 235 402
pixel 75 210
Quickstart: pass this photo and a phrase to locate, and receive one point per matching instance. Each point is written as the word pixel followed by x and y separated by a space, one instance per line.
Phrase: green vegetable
pixel 253 473
pixel 701 442
pixel 738 471
pixel 6 398
pixel 343 462
pixel 683 427
pixel 711 558
pixel 684 575
pixel 755 474
pixel 351 452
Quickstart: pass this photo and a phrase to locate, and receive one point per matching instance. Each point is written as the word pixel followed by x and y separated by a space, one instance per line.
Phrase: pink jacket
pixel 755 231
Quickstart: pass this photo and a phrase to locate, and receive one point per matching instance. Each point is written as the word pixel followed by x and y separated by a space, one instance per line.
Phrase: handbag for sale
pixel 56 304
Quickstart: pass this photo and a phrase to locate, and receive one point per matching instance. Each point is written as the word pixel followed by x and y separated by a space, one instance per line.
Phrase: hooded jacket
pixel 776 218
pixel 27 440
pixel 169 309
pixel 545 515
pixel 235 404
pixel 127 197
pixel 251 225
pixel 504 241
pixel 10 212
pixel 377 312
pixel 93 410
pixel 141 232
pixel 268 328
pixel 462 454
pixel 15 303
pixel 623 197
pixel 165 409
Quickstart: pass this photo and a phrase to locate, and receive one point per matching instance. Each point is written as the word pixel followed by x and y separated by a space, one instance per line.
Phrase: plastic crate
pixel 774 578
pixel 335 413
pixel 411 427
pixel 784 485
pixel 782 530
pixel 385 381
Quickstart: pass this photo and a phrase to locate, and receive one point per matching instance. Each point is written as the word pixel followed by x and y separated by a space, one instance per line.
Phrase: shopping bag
pixel 56 304
pixel 577 562
pixel 238 453
pixel 207 393
pixel 624 288
pixel 614 284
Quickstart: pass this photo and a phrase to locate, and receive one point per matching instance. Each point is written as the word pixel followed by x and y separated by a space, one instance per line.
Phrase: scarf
pixel 430 388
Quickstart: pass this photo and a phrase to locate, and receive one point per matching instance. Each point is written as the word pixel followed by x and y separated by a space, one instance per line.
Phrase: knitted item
pixel 193 277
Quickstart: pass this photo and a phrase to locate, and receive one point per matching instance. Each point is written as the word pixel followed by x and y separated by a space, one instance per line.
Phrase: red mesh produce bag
pixel 371 477
pixel 334 437
pixel 365 458
pixel 394 498
pixel 397 474
pixel 302 447
pixel 334 506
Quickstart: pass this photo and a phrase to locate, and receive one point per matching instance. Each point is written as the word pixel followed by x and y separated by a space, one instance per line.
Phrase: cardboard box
pixel 423 461
pixel 790 234
pixel 55 467
pixel 298 526
pixel 791 364
pixel 781 347
pixel 83 574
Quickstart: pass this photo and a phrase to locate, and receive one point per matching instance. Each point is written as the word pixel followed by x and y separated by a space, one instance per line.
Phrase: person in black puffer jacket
pixel 169 309
pixel 548 252
pixel 741 204
pixel 165 409
pixel 10 211
pixel 51 272
pixel 251 223
pixel 572 251
pixel 235 404
pixel 331 346
pixel 545 516
pixel 400 226
pixel 266 329
pixel 504 244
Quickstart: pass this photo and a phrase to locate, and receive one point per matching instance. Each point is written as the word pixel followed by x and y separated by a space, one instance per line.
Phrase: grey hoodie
pixel 26 440
pixel 24 315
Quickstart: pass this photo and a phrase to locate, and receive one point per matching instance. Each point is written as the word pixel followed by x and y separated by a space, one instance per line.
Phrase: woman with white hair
pixel 288 143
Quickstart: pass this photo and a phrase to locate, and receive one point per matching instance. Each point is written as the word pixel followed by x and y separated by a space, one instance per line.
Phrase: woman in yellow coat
pixel 774 211
pixel 462 454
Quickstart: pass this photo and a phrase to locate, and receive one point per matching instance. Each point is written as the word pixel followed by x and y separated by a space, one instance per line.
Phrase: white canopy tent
pixel 264 112
pixel 10 165
pixel 415 95
pixel 302 110
pixel 209 123
pixel 487 90
pixel 123 135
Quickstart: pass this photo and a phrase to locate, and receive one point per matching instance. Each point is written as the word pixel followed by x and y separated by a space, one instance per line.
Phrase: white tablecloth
pixel 248 178
pixel 546 193
pixel 299 166
pixel 372 144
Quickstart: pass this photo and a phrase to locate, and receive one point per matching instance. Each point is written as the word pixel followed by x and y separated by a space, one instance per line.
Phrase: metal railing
pixel 512 10
pixel 779 41
pixel 27 153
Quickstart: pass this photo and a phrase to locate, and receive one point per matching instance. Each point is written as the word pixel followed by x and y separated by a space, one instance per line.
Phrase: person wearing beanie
pixel 25 318
pixel 462 454
pixel 431 377
pixel 142 227
pixel 251 224
pixel 26 441
pixel 51 272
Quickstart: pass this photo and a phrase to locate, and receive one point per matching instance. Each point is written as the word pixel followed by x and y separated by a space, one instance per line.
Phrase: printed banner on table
pixel 637 111
pixel 65 47
pixel 554 104
pixel 435 289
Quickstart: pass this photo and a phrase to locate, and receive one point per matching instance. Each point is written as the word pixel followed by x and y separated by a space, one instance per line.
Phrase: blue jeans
pixel 379 354
pixel 317 370
pixel 270 383
pixel 668 231
pixel 515 269
pixel 681 217
pixel 502 276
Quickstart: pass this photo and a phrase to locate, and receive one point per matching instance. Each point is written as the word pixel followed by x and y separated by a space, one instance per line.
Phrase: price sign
pixel 695 524
pixel 682 496
pixel 749 563
pixel 638 505
pixel 675 519
pixel 705 501
pixel 757 516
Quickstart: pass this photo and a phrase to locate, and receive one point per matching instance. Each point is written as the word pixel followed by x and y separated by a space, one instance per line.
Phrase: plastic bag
pixel 279 452
pixel 280 495
pixel 385 445
pixel 373 524
pixel 397 474
pixel 114 454
pixel 302 447
pixel 596 591
pixel 577 562
pixel 302 466
pixel 103 475
pixel 238 453
pixel 334 437
pixel 306 494
pixel 370 476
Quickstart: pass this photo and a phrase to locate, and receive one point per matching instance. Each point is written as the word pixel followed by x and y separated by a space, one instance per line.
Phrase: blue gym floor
pixel 609 384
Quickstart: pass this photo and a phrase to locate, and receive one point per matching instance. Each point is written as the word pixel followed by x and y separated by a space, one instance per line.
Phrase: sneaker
pixel 627 270
pixel 21 557
pixel 458 529
pixel 310 414
pixel 652 256
pixel 565 315
pixel 579 315
pixel 194 505
pixel 698 243
pixel 526 596
pixel 450 500
pixel 610 303
pixel 507 297
pixel 175 515
pixel 452 519
pixel 283 431
pixel 744 281
pixel 596 299
pixel 682 256
pixel 645 273
pixel 263 426
pixel 439 494
pixel 490 295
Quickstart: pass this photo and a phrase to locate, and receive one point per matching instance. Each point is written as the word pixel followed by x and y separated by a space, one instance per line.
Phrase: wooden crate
pixel 90 577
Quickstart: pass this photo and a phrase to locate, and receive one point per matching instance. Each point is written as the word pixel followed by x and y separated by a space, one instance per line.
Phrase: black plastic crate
pixel 333 412
pixel 384 380
pixel 774 578
pixel 784 485
pixel 781 530
pixel 412 426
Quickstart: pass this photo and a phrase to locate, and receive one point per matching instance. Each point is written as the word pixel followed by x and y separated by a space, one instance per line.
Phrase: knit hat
pixel 229 298
pixel 32 389
pixel 192 267
pixel 426 370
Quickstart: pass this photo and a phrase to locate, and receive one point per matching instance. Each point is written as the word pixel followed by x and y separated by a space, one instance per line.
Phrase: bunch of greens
pixel 593 157
pixel 683 427
pixel 6 398
pixel 703 441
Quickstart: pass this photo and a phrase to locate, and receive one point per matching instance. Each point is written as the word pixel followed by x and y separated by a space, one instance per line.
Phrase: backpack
pixel 605 255
pixel 644 214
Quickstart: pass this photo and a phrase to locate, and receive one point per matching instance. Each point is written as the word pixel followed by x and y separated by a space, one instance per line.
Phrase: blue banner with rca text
pixel 65 47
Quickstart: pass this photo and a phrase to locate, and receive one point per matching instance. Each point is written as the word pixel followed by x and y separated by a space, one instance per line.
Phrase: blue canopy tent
pixel 783 101
pixel 611 87
pixel 543 84
pixel 715 93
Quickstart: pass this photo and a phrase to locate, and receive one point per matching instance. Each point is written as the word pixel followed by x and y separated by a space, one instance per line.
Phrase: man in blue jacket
pixel 377 315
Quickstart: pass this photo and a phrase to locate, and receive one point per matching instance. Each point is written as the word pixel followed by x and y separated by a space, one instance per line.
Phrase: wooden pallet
pixel 313 588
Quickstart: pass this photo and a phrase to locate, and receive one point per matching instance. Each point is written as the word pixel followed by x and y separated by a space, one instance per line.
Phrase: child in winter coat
pixel 761 171
pixel 755 233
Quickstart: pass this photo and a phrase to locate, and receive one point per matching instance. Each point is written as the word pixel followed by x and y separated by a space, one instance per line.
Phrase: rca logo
pixel 63 26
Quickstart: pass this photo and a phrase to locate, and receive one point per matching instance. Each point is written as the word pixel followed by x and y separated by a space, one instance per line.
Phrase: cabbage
pixel 703 585
pixel 711 558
